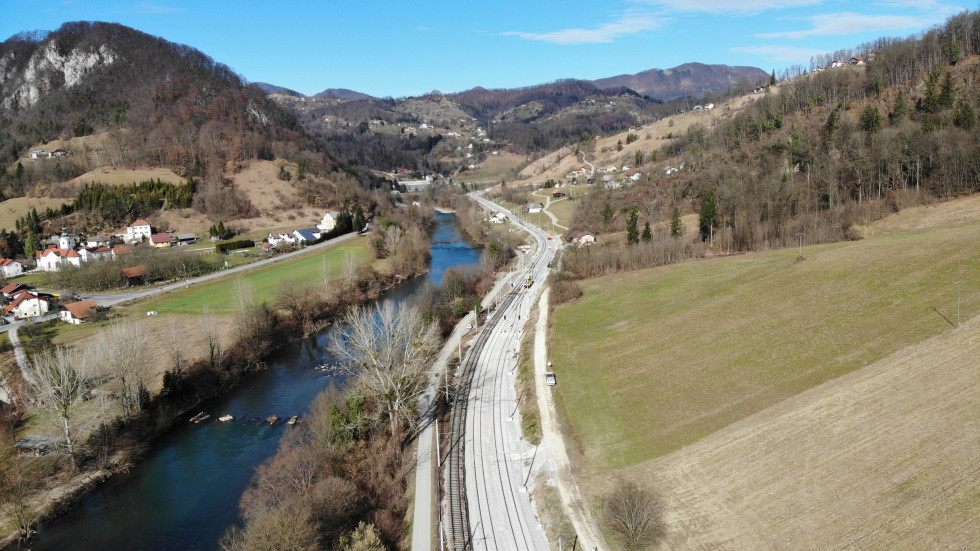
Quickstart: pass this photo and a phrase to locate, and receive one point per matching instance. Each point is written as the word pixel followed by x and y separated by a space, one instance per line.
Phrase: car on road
pixel 549 378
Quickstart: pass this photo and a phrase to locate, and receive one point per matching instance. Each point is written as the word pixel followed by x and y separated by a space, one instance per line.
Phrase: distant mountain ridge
pixel 658 84
pixel 342 93
pixel 684 80
pixel 273 89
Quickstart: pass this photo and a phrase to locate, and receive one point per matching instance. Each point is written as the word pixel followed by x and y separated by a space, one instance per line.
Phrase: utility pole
pixel 800 235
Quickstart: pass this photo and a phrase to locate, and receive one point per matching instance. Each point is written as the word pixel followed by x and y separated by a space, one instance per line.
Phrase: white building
pixel 328 223
pixel 277 238
pixel 52 259
pixel 26 305
pixel 138 231
pixel 11 267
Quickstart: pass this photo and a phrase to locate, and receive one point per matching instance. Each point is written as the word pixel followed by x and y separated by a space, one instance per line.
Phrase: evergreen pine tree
pixel 870 119
pixel 359 221
pixel 772 79
pixel 709 214
pixel 32 245
pixel 647 234
pixel 901 109
pixel 947 94
pixel 632 234
pixel 675 223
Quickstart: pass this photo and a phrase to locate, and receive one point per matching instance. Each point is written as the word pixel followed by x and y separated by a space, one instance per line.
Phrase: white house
pixel 277 238
pixel 140 229
pixel 498 218
pixel 535 207
pixel 11 267
pixel 89 254
pixel 27 304
pixel 52 259
pixel 306 234
pixel 77 312
pixel 328 223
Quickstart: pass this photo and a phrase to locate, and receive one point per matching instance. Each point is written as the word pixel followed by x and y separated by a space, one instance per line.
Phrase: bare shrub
pixel 634 515
pixel 563 288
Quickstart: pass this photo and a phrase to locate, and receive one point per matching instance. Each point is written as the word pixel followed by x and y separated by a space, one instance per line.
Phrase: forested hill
pixel 825 153
pixel 157 102
pixel 689 79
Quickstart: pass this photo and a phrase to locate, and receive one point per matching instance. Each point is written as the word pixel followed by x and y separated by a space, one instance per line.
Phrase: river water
pixel 184 494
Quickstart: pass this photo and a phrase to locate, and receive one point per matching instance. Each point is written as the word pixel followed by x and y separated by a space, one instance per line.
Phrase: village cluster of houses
pixel 857 60
pixel 298 236
pixel 25 303
pixel 42 154
pixel 66 251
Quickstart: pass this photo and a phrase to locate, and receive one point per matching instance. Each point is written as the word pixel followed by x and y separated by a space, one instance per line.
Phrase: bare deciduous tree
pixel 122 352
pixel 216 352
pixel 635 515
pixel 350 268
pixel 17 488
pixel 175 347
pixel 58 379
pixel 390 347
pixel 297 299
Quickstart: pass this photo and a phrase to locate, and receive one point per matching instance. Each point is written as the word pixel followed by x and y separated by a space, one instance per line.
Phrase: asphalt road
pixel 113 299
pixel 497 461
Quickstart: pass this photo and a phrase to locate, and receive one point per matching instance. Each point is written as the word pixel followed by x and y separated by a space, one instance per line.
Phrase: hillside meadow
pixel 12 209
pixel 655 360
pixel 265 282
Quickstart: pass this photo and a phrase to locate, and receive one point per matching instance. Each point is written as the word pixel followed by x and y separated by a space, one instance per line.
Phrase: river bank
pixel 185 492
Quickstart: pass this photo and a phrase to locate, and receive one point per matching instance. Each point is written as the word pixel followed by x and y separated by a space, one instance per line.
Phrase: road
pixel 547 203
pixel 106 300
pixel 497 462
pixel 113 299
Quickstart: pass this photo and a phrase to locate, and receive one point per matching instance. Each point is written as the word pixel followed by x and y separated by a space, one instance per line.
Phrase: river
pixel 184 494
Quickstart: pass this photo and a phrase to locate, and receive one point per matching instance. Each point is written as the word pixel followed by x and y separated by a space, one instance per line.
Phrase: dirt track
pixel 887 457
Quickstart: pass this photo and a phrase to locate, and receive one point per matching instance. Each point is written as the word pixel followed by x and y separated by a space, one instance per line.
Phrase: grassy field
pixel 882 458
pixel 265 282
pixel 493 169
pixel 12 209
pixel 658 359
pixel 115 176
pixel 563 211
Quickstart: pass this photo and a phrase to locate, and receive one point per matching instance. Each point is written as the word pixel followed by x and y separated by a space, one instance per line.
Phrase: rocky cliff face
pixel 46 69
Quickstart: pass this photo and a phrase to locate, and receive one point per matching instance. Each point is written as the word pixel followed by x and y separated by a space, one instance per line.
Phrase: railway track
pixel 488 475
pixel 460 534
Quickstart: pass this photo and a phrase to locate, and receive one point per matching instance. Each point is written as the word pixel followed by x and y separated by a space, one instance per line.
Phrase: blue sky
pixel 402 48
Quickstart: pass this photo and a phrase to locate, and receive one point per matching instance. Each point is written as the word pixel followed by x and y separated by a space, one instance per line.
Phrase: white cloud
pixel 788 54
pixel 630 23
pixel 728 6
pixel 843 23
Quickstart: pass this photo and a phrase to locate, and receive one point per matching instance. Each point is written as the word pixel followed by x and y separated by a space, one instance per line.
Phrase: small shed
pixel 35 444
pixel 136 275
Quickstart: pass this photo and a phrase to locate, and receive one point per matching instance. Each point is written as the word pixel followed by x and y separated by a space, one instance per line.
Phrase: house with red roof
pixel 27 304
pixel 11 289
pixel 160 239
pixel 139 230
pixel 77 312
pixel 53 259
pixel 11 267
